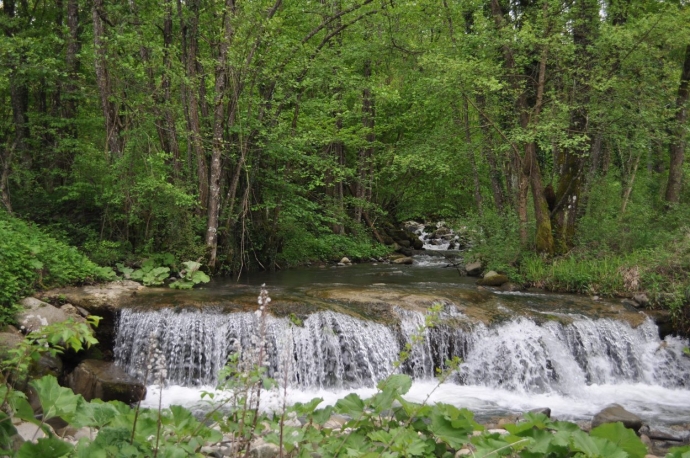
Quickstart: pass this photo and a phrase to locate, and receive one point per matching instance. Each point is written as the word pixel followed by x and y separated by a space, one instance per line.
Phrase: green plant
pixel 32 260
pixel 190 276
pixel 150 273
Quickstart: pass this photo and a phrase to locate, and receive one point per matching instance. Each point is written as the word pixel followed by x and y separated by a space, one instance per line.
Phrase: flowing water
pixel 335 331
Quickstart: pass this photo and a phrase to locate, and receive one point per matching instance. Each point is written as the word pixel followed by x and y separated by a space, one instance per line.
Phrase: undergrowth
pixel 31 260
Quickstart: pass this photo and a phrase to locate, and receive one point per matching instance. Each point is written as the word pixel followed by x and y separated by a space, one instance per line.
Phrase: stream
pixel 337 330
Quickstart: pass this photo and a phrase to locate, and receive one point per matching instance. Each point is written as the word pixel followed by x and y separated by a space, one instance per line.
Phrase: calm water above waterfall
pixel 341 330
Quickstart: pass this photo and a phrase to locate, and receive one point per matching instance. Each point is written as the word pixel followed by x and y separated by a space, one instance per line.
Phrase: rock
pixel 335 422
pixel 101 300
pixel 544 410
pixel 405 251
pixel 16 442
pixel 511 287
pixel 262 449
pixel 106 381
pixel 646 441
pixel 9 340
pixel 405 260
pixel 440 232
pixel 473 269
pixel 494 280
pixel 499 431
pixel 387 240
pixel 29 432
pixel 417 244
pixel 463 452
pixel 293 422
pixel 641 299
pixel 614 413
pixel 345 261
pixel 404 243
pixel 630 303
pixel 46 365
pixel 72 312
pixel 39 314
pixel 663 320
pixel 663 433
pixel 97 298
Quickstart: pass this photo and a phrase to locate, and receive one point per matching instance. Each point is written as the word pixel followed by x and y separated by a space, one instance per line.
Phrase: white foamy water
pixel 652 403
pixel 575 369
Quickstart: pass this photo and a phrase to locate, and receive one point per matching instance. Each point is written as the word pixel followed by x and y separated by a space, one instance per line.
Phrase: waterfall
pixel 333 350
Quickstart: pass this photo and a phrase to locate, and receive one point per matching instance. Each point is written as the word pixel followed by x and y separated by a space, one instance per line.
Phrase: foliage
pixel 52 339
pixel 301 246
pixel 190 276
pixel 33 260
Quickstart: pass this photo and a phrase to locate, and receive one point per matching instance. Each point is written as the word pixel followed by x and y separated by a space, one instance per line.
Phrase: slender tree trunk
pixel 72 62
pixel 490 155
pixel 19 100
pixel 473 159
pixel 218 127
pixel 166 96
pixel 677 146
pixel 103 79
pixel 5 161
pixel 363 184
pixel 190 51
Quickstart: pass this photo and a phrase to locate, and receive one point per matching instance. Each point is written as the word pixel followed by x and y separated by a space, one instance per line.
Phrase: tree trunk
pixel 190 50
pixel 72 62
pixel 677 146
pixel 218 127
pixel 363 184
pixel 166 98
pixel 108 105
pixel 473 159
pixel 5 161
pixel 494 172
pixel 19 100
pixel 572 166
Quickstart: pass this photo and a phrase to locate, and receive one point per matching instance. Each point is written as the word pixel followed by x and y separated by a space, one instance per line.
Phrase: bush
pixel 31 260
pixel 302 246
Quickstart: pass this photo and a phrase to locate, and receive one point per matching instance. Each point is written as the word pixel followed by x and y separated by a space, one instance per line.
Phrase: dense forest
pixel 266 133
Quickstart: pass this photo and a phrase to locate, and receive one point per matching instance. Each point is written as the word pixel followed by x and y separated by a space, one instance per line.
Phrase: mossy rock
pixel 494 280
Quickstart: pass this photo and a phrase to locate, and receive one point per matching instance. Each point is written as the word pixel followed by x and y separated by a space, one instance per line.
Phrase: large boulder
pixel 98 299
pixel 37 314
pixel 473 269
pixel 405 260
pixel 493 279
pixel 106 381
pixel 101 300
pixel 614 413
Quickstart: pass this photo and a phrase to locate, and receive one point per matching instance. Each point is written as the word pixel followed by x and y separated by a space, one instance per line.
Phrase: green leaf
pixel 200 277
pixel 95 414
pixel 22 408
pixel 400 383
pixel 351 405
pixel 450 424
pixel 679 452
pixel 321 416
pixel 623 437
pixel 44 448
pixel 56 400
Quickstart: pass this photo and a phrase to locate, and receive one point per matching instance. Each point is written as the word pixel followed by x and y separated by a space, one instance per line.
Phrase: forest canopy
pixel 257 133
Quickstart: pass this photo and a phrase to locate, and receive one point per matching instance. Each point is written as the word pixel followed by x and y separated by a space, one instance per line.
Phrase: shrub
pixel 31 260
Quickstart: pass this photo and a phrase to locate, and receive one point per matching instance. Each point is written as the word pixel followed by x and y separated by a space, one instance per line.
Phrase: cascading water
pixel 333 350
